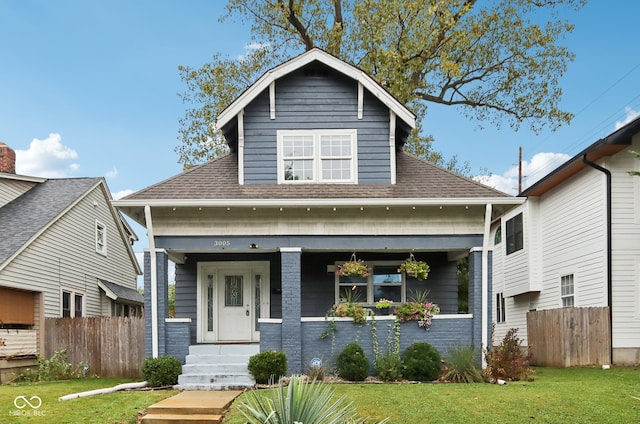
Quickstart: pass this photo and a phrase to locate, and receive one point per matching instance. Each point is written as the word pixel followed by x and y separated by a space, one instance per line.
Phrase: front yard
pixel 577 395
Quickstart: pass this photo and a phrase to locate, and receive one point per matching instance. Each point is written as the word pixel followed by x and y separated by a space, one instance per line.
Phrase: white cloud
pixel 631 115
pixel 112 173
pixel 539 166
pixel 250 48
pixel 47 158
pixel 120 194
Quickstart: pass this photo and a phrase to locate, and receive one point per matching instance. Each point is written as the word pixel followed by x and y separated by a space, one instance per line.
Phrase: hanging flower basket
pixel 353 268
pixel 413 268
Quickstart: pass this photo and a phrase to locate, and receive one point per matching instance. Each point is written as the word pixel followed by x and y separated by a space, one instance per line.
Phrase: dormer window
pixel 317 156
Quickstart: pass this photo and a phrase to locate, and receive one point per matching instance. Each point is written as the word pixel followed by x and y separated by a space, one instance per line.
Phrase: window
pixel 101 238
pixel 514 234
pixel 384 282
pixel 72 304
pixel 501 311
pixel 497 239
pixel 567 293
pixel 317 156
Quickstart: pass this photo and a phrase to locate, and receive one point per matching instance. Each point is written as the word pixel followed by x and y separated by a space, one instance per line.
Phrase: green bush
pixel 389 366
pixel 55 368
pixel 421 362
pixel 352 363
pixel 508 361
pixel 268 366
pixel 461 366
pixel 161 371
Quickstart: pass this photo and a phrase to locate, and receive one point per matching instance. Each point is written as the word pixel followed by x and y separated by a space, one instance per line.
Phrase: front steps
pixel 191 408
pixel 217 367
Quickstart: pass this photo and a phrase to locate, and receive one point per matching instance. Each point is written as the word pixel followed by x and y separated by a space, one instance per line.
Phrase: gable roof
pixel 298 62
pixel 608 146
pixel 416 179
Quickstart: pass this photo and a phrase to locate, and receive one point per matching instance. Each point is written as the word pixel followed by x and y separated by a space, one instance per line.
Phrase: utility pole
pixel 520 171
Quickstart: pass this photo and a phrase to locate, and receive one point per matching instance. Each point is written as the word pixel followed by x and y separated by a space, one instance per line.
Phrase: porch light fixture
pixel 253 246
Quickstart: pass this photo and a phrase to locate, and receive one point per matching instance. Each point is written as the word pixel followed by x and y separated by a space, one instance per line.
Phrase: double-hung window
pixel 567 290
pixel 317 156
pixel 515 234
pixel 72 304
pixel 101 238
pixel 384 282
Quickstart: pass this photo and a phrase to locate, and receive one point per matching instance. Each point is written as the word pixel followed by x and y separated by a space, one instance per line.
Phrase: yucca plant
pixel 302 402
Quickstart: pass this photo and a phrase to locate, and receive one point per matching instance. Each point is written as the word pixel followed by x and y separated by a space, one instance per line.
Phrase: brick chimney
pixel 7 159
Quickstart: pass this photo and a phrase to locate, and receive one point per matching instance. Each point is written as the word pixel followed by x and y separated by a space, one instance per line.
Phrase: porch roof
pixel 215 180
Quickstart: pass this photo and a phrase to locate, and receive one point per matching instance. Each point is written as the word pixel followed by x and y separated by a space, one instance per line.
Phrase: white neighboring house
pixel 64 252
pixel 576 242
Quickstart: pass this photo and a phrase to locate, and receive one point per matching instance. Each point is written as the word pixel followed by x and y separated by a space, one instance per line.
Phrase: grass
pixel 119 407
pixel 576 395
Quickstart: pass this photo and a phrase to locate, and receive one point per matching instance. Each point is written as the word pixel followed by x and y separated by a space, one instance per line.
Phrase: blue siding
pixel 312 102
pixel 186 297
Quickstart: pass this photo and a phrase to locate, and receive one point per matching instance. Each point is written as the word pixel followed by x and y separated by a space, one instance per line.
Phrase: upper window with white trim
pixel 567 290
pixel 317 156
pixel 101 238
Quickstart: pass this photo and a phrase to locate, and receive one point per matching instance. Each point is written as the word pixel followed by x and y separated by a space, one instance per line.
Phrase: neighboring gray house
pixel 316 172
pixel 64 252
pixel 576 243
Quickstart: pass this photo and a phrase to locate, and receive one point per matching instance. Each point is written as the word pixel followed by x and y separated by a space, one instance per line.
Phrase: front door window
pixel 233 290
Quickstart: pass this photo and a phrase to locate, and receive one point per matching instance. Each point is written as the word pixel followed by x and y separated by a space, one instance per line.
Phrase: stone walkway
pixel 206 406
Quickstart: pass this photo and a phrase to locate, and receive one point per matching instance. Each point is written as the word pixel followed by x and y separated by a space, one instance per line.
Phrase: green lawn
pixel 577 395
pixel 119 407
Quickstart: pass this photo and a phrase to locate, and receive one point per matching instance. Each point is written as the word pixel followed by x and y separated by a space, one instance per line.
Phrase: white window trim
pixel 317 170
pixel 573 295
pixel 102 251
pixel 72 306
pixel 371 264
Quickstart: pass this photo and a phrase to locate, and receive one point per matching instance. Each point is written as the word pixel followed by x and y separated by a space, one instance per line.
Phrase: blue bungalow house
pixel 316 173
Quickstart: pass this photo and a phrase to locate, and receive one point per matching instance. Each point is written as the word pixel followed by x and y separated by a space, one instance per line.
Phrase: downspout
pixel 154 283
pixel 609 255
pixel 485 281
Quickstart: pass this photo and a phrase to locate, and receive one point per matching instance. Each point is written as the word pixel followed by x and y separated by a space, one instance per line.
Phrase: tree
pixel 497 60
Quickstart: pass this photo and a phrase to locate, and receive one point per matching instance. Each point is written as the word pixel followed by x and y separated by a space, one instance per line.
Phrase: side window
pixel 66 304
pixel 501 312
pixel 101 238
pixel 567 290
pixel 72 304
pixel 497 239
pixel 514 234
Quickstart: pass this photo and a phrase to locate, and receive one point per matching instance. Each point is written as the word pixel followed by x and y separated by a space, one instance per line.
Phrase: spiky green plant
pixel 461 366
pixel 302 402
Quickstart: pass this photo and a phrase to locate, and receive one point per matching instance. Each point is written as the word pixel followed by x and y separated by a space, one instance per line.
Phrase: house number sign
pixel 221 243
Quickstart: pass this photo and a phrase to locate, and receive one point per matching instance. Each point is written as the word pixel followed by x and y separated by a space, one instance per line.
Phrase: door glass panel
pixel 233 290
pixel 256 300
pixel 210 302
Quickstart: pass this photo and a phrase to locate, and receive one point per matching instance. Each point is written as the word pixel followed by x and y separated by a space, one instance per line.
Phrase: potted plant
pixel 353 268
pixel 416 269
pixel 384 305
pixel 417 311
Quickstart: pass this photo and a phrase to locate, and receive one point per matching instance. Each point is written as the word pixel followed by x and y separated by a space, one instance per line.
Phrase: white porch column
pixel 154 282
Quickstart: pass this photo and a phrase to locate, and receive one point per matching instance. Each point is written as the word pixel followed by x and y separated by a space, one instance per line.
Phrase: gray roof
pixel 217 179
pixel 122 293
pixel 25 216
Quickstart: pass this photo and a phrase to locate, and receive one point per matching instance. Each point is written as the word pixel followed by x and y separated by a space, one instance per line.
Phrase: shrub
pixel 508 361
pixel 301 402
pixel 161 371
pixel 317 371
pixel 389 366
pixel 352 363
pixel 55 368
pixel 421 362
pixel 461 366
pixel 268 366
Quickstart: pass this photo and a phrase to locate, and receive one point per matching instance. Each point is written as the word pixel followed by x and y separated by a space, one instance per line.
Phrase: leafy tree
pixel 498 60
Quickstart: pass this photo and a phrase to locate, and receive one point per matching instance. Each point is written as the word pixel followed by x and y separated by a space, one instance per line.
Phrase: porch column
pixel 162 279
pixel 475 299
pixel 291 308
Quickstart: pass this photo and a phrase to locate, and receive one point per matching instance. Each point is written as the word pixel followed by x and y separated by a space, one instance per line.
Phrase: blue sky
pixel 90 88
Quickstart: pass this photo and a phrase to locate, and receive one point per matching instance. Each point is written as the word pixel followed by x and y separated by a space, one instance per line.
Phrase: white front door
pixel 231 298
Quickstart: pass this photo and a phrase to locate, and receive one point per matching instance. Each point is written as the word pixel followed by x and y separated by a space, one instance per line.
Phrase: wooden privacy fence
pixel 569 337
pixel 111 346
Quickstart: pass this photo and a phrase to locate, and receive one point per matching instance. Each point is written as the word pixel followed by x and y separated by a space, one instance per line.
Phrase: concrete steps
pixel 191 408
pixel 217 367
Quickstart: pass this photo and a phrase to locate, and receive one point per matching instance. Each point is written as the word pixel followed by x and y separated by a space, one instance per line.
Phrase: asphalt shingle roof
pixel 123 293
pixel 217 179
pixel 23 217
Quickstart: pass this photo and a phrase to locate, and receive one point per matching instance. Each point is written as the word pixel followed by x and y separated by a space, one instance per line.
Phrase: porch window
pixel 384 282
pixel 317 156
pixel 515 234
pixel 567 293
